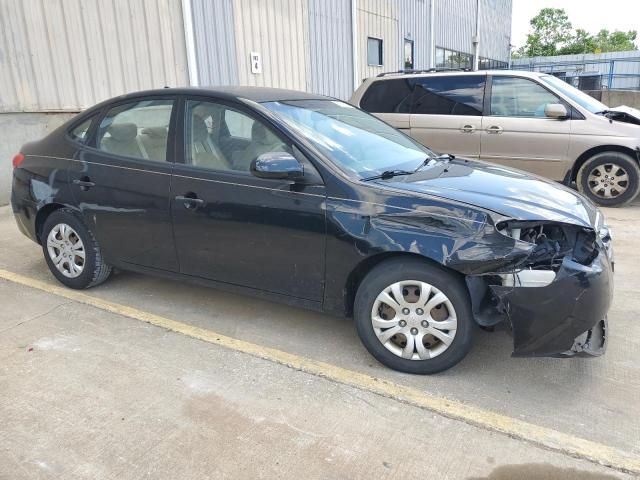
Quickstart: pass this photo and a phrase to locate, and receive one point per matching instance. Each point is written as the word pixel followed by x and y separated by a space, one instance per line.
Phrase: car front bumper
pixel 566 317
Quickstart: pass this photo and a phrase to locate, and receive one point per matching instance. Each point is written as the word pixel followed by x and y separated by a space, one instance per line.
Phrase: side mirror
pixel 556 110
pixel 277 165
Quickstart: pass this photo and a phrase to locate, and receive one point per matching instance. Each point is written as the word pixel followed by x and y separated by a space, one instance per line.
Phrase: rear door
pixel 121 181
pixel 233 227
pixel 447 113
pixel 390 100
pixel 517 133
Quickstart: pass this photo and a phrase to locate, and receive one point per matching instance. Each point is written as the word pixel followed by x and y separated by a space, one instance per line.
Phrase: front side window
pixel 519 97
pixel 374 51
pixel 138 130
pixel 219 137
pixel 388 96
pixel 449 95
pixel 356 142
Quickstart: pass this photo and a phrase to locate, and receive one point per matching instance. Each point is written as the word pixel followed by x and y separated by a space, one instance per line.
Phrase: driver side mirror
pixel 556 110
pixel 277 165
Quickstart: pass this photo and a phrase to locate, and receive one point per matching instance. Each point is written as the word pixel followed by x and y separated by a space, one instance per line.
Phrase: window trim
pixel 380 51
pixel 92 142
pixel 489 95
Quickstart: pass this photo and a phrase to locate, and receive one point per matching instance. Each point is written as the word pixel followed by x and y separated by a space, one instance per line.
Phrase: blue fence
pixel 606 74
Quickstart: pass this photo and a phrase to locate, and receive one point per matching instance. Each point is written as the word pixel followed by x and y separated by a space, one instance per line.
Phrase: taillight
pixel 17 160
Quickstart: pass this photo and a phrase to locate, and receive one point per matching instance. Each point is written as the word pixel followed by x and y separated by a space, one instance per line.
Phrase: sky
pixel 591 15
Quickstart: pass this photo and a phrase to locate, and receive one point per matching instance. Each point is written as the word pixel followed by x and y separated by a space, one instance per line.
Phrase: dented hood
pixel 506 191
pixel 630 111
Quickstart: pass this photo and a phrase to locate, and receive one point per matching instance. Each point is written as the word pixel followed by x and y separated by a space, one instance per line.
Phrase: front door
pixel 446 115
pixel 233 227
pixel 517 133
pixel 121 183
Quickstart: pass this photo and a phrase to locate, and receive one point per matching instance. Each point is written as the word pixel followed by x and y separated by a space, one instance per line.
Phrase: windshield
pixel 581 98
pixel 358 143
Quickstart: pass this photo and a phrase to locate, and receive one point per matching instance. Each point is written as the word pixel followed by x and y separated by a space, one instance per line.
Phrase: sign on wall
pixel 256 62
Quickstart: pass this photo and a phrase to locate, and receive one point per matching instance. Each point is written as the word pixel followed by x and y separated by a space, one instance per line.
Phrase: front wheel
pixel 414 317
pixel 610 179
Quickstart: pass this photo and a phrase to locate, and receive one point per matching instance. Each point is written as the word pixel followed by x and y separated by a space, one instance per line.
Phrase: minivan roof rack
pixel 430 70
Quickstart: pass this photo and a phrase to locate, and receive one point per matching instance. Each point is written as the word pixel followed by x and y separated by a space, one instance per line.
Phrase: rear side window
pixel 388 96
pixel 519 97
pixel 137 129
pixel 449 95
pixel 81 131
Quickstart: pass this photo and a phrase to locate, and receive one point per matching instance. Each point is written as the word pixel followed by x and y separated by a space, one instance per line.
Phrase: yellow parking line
pixel 540 436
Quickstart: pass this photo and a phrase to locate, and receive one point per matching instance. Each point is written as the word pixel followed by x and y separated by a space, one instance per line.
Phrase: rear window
pixel 388 96
pixel 449 95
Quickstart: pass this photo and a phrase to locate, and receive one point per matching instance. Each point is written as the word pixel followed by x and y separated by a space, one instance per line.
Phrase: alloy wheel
pixel 608 180
pixel 414 320
pixel 66 250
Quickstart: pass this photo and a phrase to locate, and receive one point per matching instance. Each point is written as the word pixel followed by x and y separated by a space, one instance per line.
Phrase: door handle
pixel 468 129
pixel 190 202
pixel 494 129
pixel 84 183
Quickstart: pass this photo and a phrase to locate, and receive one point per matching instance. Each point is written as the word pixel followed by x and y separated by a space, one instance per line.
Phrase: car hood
pixel 506 191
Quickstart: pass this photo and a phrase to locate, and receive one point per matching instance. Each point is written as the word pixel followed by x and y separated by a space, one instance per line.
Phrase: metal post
pixel 476 39
pixel 432 34
pixel 612 66
pixel 354 41
pixel 190 43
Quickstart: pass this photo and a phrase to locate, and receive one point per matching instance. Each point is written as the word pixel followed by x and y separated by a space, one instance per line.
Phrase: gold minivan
pixel 528 120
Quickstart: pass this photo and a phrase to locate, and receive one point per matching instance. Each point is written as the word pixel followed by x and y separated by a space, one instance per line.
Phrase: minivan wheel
pixel 610 179
pixel 414 317
pixel 71 251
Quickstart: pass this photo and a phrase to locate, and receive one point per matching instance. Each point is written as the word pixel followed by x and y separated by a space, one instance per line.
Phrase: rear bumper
pixel 564 318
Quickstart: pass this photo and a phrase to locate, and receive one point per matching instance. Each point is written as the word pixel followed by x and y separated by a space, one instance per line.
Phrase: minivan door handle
pixel 494 129
pixel 468 129
pixel 190 201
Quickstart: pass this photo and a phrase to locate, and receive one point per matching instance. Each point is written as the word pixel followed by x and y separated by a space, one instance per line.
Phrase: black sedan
pixel 307 200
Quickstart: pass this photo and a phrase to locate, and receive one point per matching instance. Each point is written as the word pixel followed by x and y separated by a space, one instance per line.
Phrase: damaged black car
pixel 307 200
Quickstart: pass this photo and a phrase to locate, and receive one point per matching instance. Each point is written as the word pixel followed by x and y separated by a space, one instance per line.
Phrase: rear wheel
pixel 610 179
pixel 414 317
pixel 71 251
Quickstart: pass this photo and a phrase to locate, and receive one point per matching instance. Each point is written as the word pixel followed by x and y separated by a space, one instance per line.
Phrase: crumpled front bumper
pixel 566 317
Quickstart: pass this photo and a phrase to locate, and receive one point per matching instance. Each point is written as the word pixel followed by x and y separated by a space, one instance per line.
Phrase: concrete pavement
pixel 88 368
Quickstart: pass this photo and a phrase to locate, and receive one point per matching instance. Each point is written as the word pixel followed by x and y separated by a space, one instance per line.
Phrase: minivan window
pixel 519 97
pixel 388 96
pixel 138 129
pixel 581 98
pixel 356 142
pixel 449 95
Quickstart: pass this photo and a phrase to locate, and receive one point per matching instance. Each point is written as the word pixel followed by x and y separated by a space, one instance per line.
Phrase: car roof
pixel 256 94
pixel 446 73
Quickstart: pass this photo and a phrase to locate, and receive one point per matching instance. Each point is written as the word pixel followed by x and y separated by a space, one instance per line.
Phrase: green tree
pixel 552 34
pixel 550 31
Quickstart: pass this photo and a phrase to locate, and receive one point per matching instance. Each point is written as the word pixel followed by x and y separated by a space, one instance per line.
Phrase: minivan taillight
pixel 17 160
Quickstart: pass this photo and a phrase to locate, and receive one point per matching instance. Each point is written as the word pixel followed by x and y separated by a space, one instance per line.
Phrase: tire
pixel 60 235
pixel 607 165
pixel 417 274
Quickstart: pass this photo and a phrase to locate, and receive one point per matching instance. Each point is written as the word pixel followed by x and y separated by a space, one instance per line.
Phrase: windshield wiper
pixel 427 161
pixel 387 175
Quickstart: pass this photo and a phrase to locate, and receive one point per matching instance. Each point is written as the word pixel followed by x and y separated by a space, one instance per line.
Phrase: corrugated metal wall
pixel 330 44
pixel 378 19
pixel 70 54
pixel 414 25
pixel 213 23
pixel 279 31
pixel 495 29
pixel 455 24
